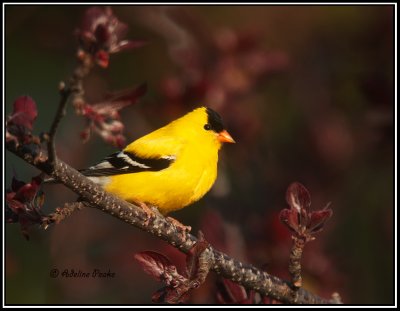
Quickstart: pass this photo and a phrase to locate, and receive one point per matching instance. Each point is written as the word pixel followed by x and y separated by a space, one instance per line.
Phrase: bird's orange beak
pixel 225 137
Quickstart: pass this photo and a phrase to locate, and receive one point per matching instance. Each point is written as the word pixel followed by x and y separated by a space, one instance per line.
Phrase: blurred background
pixel 307 92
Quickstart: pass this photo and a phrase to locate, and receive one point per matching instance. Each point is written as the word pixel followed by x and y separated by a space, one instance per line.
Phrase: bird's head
pixel 205 125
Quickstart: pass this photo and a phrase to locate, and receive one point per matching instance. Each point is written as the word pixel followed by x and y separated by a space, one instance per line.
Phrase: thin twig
pixel 61 213
pixel 61 111
pixel 295 261
pixel 247 275
pixel 74 92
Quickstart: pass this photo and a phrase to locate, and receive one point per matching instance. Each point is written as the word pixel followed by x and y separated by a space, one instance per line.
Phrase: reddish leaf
pixel 130 45
pixel 101 33
pixel 24 202
pixel 24 112
pixel 230 292
pixel 290 218
pixel 193 260
pixel 27 192
pixel 250 298
pixel 16 184
pixel 178 286
pixel 20 124
pixel 299 219
pixel 104 118
pixel 130 95
pixel 14 205
pixel 318 218
pixel 155 264
pixel 100 28
pixel 89 21
pixel 298 197
pixel 24 192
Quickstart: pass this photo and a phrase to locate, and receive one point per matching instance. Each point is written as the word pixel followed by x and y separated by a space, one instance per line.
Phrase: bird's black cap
pixel 214 120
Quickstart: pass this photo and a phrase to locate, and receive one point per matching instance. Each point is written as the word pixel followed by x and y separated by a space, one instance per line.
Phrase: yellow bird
pixel 169 168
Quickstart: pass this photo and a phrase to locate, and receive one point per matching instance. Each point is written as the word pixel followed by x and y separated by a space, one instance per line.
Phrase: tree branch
pixel 61 111
pixel 74 92
pixel 244 274
pixel 62 213
pixel 295 261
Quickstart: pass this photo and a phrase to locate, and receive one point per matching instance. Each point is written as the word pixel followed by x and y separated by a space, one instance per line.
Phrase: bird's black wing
pixel 127 162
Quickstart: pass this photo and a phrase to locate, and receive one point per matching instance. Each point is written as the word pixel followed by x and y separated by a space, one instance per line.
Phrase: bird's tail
pixel 100 180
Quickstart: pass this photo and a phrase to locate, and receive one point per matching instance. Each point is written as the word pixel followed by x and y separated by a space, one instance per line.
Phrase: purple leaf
pixel 130 44
pixel 250 298
pixel 24 203
pixel 24 192
pixel 24 112
pixel 193 260
pixel 290 218
pixel 299 218
pixel 318 218
pixel 178 286
pixel 298 197
pixel 101 34
pixel 130 95
pixel 20 123
pixel 16 184
pixel 28 191
pixel 231 292
pixel 155 264
pixel 104 118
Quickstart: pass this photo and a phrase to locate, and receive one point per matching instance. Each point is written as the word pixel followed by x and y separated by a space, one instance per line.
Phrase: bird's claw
pixel 179 225
pixel 149 211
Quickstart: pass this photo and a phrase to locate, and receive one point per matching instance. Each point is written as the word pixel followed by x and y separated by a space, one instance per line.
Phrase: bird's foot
pixel 179 225
pixel 148 210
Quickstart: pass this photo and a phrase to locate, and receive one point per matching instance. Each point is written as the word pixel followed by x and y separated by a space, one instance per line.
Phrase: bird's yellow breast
pixel 185 181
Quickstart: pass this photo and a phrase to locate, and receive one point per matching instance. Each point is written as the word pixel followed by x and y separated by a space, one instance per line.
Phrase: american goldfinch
pixel 169 168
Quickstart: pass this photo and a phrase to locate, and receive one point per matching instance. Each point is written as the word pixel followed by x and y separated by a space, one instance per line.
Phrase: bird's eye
pixel 207 127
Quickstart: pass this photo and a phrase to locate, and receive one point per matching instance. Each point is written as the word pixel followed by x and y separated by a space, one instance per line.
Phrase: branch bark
pixel 61 111
pixel 295 261
pixel 61 213
pixel 74 92
pixel 244 274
